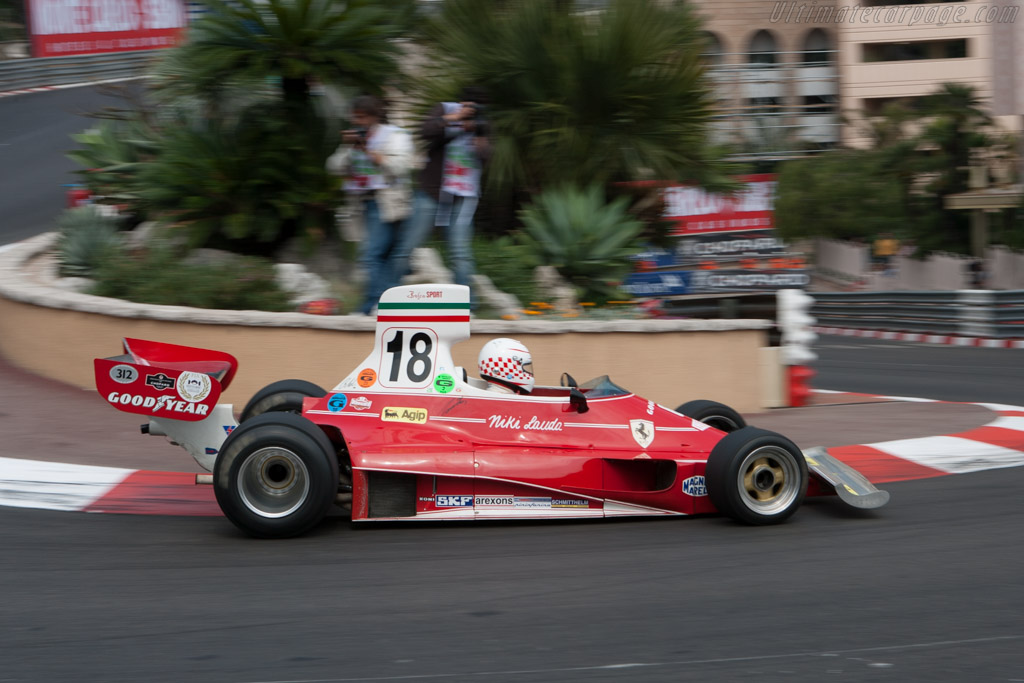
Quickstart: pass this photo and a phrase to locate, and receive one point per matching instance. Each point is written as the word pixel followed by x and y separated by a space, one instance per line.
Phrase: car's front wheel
pixel 756 476
pixel 717 415
pixel 276 476
pixel 284 396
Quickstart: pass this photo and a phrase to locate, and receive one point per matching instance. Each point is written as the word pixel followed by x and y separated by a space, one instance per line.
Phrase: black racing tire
pixel 717 415
pixel 281 397
pixel 276 476
pixel 756 477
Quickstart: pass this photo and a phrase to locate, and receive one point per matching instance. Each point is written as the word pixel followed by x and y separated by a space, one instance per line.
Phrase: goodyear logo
pixel 694 486
pixel 416 416
pixel 454 501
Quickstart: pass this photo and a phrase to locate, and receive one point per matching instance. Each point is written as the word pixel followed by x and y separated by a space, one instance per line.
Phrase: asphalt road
pixel 947 373
pixel 928 588
pixel 35 134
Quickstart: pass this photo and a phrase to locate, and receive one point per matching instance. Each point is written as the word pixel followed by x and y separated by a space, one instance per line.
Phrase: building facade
pixel 776 78
pixel 793 76
pixel 891 51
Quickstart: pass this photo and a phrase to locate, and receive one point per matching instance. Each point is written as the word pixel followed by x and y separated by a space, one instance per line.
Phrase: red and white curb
pixel 920 337
pixel 996 445
pixel 65 86
pixel 87 488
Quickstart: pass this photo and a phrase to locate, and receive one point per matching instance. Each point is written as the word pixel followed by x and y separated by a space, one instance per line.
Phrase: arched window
pixel 762 49
pixel 713 52
pixel 817 47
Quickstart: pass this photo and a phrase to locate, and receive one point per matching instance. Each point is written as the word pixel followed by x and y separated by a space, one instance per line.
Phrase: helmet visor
pixel 528 368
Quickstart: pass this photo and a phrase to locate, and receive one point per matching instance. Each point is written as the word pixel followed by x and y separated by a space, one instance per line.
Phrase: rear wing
pixel 164 380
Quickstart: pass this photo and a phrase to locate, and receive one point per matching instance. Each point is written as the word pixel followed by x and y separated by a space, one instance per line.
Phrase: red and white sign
pixel 77 27
pixel 698 211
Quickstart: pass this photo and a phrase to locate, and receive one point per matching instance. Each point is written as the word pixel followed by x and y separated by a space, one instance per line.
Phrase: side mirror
pixel 568 381
pixel 577 401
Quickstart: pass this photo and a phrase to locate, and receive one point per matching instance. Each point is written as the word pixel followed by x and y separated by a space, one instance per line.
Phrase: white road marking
pixel 1016 423
pixel 952 454
pixel 54 485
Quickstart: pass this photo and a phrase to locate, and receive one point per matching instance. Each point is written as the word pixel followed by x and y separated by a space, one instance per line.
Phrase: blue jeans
pixel 378 245
pixel 459 236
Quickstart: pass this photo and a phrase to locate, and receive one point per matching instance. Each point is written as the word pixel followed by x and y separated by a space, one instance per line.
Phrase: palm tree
pixel 297 41
pixel 601 97
pixel 956 123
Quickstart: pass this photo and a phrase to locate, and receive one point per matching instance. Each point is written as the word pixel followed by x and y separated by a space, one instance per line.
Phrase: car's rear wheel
pixel 756 477
pixel 717 415
pixel 284 396
pixel 276 476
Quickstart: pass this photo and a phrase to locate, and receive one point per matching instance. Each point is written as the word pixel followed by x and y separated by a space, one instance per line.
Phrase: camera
pixel 479 122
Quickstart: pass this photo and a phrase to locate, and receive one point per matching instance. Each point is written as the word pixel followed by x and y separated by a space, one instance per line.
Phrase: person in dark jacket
pixel 449 184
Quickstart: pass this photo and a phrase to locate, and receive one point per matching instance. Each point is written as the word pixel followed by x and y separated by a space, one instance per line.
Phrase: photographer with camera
pixel 458 146
pixel 375 158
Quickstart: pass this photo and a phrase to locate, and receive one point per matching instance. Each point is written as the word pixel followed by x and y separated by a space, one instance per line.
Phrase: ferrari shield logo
pixel 642 431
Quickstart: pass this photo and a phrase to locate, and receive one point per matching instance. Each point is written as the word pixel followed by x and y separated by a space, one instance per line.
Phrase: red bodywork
pixel 152 378
pixel 473 456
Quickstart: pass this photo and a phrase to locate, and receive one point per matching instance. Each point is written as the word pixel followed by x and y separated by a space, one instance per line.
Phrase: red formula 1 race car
pixel 408 435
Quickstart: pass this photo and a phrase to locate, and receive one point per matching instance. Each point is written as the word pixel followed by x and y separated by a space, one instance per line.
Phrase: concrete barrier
pixel 56 334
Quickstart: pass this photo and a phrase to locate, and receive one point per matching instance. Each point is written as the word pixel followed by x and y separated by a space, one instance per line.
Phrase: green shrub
pixel 246 185
pixel 161 277
pixel 86 239
pixel 112 155
pixel 509 265
pixel 587 240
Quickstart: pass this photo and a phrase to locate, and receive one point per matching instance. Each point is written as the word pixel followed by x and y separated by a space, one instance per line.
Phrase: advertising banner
pixel 695 211
pixel 666 283
pixel 719 244
pixel 77 27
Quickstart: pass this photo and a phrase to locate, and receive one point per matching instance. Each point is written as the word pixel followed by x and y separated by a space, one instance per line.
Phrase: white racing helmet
pixel 507 362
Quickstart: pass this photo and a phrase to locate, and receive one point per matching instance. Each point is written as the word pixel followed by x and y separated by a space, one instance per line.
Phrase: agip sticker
pixel 416 416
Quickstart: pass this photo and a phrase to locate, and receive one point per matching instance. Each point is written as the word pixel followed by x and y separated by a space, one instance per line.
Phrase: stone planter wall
pixel 57 334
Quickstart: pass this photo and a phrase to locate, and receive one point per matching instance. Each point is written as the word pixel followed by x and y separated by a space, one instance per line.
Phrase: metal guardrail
pixel 727 306
pixel 971 313
pixel 19 74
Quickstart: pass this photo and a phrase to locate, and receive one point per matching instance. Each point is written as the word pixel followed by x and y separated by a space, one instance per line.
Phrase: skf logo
pixel 416 416
pixel 694 486
pixel 453 501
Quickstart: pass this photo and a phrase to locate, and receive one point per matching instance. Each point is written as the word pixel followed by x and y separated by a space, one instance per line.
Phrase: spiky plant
pixel 586 239
pixel 86 240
